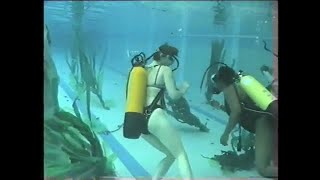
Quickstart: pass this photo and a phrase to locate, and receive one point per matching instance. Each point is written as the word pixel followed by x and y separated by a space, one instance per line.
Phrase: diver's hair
pixel 226 75
pixel 167 50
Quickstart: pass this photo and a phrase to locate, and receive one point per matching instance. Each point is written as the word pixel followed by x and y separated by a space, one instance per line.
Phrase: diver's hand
pixel 224 139
pixel 184 87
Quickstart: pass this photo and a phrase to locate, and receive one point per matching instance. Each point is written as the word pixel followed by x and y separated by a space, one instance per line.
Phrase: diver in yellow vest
pixel 252 106
pixel 145 113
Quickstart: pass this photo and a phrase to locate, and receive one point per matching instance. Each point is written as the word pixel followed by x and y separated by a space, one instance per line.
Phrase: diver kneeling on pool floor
pixel 145 108
pixel 250 104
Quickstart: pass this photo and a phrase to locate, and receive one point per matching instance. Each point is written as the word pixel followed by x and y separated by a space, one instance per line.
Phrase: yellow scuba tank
pixel 256 91
pixel 136 97
pixel 137 90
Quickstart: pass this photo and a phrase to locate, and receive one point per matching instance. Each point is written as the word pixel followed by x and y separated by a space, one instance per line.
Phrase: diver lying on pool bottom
pixel 181 112
pixel 145 112
pixel 251 105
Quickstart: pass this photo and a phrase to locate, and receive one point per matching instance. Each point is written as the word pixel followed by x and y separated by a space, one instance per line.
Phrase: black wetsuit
pixel 248 118
pixel 154 105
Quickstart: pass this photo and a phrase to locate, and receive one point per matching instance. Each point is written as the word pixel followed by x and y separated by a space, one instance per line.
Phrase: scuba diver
pixel 252 106
pixel 145 108
pixel 180 110
pixel 272 87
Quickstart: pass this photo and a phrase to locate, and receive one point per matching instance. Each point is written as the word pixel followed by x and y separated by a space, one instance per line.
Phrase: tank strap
pixel 155 101
pixel 238 96
pixel 161 98
pixel 155 81
pixel 163 102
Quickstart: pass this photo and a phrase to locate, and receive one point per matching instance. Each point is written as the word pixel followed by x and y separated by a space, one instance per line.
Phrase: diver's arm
pixel 172 90
pixel 233 101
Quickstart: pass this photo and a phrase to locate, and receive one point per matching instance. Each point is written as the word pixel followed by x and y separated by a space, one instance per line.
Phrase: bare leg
pixel 264 144
pixel 167 135
pixel 166 162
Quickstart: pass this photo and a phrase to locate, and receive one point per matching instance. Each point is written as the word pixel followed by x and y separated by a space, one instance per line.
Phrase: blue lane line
pixel 125 157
